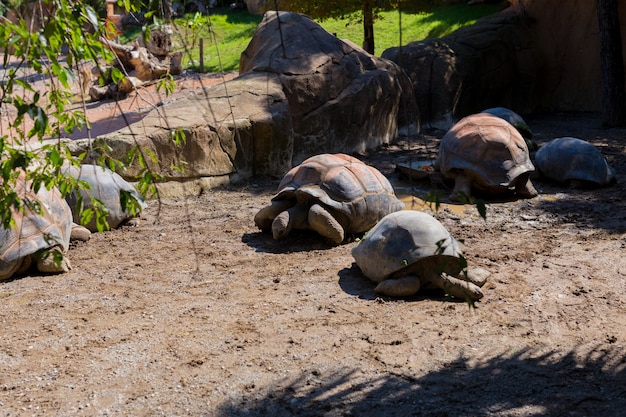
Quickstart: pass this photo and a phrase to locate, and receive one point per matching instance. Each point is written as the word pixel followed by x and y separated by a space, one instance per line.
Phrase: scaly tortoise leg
pixel 264 218
pixel 293 218
pixel 52 260
pixel 525 188
pixel 404 286
pixel 456 287
pixel 462 189
pixel 321 221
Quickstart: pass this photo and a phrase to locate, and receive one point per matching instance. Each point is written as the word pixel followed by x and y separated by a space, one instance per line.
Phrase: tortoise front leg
pixel 293 218
pixel 458 288
pixel 264 218
pixel 462 189
pixel 404 286
pixel 525 188
pixel 321 221
pixel 52 261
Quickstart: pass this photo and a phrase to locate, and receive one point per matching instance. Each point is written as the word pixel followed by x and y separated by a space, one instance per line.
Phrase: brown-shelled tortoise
pixel 409 250
pixel 39 238
pixel 331 194
pixel 486 153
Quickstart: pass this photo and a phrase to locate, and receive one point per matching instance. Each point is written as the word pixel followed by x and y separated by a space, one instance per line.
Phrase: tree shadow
pixel 602 207
pixel 443 18
pixel 525 382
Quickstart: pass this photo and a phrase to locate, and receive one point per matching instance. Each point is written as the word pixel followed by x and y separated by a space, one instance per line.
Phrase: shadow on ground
pixel 526 382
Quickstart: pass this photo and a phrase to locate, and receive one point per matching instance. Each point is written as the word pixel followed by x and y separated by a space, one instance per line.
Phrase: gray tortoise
pixel 331 194
pixel 409 250
pixel 107 187
pixel 518 123
pixel 38 239
pixel 486 153
pixel 575 162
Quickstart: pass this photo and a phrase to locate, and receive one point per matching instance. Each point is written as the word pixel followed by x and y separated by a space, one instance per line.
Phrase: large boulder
pixel 341 98
pixel 491 63
pixel 231 131
pixel 300 92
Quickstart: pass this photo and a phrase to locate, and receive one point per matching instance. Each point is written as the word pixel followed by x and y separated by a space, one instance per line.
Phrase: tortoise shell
pixel 574 161
pixel 488 149
pixel 106 186
pixel 34 231
pixel 344 185
pixel 402 239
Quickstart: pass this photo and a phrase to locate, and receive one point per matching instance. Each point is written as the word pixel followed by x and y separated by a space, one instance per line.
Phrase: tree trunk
pixel 166 6
pixel 611 64
pixel 368 26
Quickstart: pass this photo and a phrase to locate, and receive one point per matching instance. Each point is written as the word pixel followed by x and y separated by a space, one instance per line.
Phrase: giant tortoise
pixel 40 234
pixel 408 250
pixel 331 194
pixel 574 162
pixel 484 152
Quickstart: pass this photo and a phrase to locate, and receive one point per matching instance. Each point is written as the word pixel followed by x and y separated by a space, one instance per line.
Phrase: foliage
pixel 34 49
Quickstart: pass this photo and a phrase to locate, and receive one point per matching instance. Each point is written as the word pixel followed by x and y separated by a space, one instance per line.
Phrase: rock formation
pixel 300 92
pixel 491 63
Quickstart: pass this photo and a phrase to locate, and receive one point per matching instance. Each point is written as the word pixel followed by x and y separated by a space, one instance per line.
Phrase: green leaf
pixel 117 76
pixel 54 156
pixel 92 17
pixel 482 208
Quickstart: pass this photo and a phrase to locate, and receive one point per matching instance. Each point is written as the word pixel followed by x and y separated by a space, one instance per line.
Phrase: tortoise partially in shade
pixel 486 153
pixel 331 194
pixel 574 162
pixel 107 187
pixel 40 235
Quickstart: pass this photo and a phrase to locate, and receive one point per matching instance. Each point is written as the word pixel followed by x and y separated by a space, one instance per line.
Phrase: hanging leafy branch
pixel 34 42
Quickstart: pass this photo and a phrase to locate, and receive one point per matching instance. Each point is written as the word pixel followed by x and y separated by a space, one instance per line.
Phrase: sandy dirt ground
pixel 194 312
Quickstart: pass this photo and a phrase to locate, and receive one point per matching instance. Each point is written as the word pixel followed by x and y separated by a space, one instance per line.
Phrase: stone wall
pixel 566 35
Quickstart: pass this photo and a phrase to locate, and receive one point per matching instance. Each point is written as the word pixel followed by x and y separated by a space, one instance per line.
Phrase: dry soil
pixel 194 312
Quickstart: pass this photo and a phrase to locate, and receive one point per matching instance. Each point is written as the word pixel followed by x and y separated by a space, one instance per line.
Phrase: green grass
pixel 439 22
pixel 227 33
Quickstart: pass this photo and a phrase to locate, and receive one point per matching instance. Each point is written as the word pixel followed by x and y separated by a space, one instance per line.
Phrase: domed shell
pixel 401 239
pixel 34 231
pixel 487 147
pixel 513 118
pixel 570 159
pixel 106 186
pixel 344 184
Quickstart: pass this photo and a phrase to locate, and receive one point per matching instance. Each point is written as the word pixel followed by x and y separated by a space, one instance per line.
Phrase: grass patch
pixel 226 33
pixel 439 22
